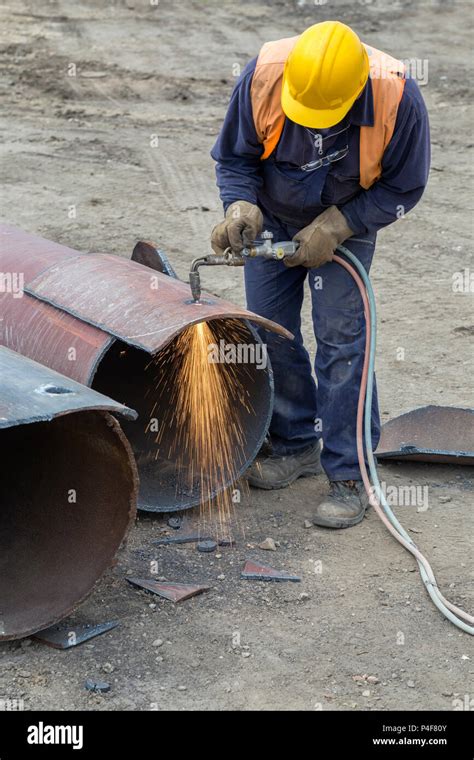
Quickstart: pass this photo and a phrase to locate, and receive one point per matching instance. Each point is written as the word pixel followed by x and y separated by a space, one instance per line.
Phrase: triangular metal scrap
pixel 175 592
pixel 65 637
pixel 254 572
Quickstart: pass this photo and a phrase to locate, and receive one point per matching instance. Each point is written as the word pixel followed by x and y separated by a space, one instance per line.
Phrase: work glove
pixel 319 240
pixel 243 223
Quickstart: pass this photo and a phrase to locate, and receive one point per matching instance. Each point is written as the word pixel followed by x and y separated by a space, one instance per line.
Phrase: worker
pixel 325 141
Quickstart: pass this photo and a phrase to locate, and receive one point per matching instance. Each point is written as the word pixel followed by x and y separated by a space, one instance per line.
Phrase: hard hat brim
pixel 310 117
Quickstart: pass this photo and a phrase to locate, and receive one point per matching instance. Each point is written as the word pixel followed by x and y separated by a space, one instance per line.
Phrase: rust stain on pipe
pixel 68 493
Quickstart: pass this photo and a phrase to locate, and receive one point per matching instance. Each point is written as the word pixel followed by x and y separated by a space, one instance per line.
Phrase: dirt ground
pixel 79 165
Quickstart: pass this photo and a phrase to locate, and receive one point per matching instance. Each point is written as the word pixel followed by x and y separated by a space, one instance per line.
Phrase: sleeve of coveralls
pixel 237 150
pixel 405 169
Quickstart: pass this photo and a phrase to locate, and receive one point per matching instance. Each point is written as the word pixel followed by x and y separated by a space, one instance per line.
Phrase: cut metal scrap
pixel 191 538
pixel 443 434
pixel 175 592
pixel 65 637
pixel 148 254
pixel 253 571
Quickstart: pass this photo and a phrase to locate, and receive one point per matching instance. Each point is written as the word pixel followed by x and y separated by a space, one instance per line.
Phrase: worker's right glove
pixel 243 223
pixel 319 240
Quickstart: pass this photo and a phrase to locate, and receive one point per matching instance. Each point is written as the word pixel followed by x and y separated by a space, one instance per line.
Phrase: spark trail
pixel 207 447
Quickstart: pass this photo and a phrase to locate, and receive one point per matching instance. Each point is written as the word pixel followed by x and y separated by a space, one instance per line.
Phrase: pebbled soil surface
pixel 79 165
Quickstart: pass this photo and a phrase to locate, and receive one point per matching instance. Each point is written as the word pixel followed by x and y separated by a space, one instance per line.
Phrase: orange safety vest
pixel 387 75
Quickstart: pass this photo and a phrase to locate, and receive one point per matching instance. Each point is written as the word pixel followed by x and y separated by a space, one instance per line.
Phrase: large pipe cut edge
pixel 68 493
pixel 98 318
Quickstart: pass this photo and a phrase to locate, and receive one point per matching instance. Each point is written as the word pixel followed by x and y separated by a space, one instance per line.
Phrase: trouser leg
pixel 276 292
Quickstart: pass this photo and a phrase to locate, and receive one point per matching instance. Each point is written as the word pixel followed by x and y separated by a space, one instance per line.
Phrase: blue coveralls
pixel 309 171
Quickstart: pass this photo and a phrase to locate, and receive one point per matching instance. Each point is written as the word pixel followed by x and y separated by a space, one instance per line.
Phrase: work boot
pixel 271 471
pixel 344 505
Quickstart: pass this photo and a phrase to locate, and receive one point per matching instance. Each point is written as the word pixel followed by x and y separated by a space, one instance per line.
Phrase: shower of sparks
pixel 201 434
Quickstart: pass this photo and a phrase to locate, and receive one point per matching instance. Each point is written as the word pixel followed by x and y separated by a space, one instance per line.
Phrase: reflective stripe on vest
pixel 386 74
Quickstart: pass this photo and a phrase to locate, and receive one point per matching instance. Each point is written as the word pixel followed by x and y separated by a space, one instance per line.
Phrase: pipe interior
pixel 136 379
pixel 66 489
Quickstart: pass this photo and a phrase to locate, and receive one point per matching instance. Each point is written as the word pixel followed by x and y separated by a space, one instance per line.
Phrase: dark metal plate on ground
pixel 443 434
pixel 65 637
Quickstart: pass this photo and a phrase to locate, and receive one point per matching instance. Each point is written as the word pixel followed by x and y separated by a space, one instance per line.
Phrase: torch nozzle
pixel 227 258
pixel 195 284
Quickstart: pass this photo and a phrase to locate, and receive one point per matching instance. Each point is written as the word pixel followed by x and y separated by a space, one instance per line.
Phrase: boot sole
pixel 303 472
pixel 338 524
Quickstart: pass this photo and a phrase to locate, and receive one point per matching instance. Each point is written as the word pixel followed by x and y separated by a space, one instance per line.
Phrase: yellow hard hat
pixel 324 74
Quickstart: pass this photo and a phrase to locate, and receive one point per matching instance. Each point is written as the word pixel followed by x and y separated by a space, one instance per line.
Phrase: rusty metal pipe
pixel 67 493
pixel 98 318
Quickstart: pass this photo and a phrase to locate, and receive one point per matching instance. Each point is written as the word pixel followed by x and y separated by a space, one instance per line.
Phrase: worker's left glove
pixel 319 240
pixel 243 223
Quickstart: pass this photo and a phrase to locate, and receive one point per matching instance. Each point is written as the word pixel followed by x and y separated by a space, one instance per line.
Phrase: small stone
pixel 175 522
pixel 307 524
pixel 226 542
pixel 158 643
pixel 207 546
pixel 372 679
pixel 152 606
pixel 221 577
pixel 445 499
pixel 366 693
pixel 268 545
pixel 182 688
pixel 304 596
pixel 99 687
pixel 107 667
pixel 411 684
pixel 245 654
